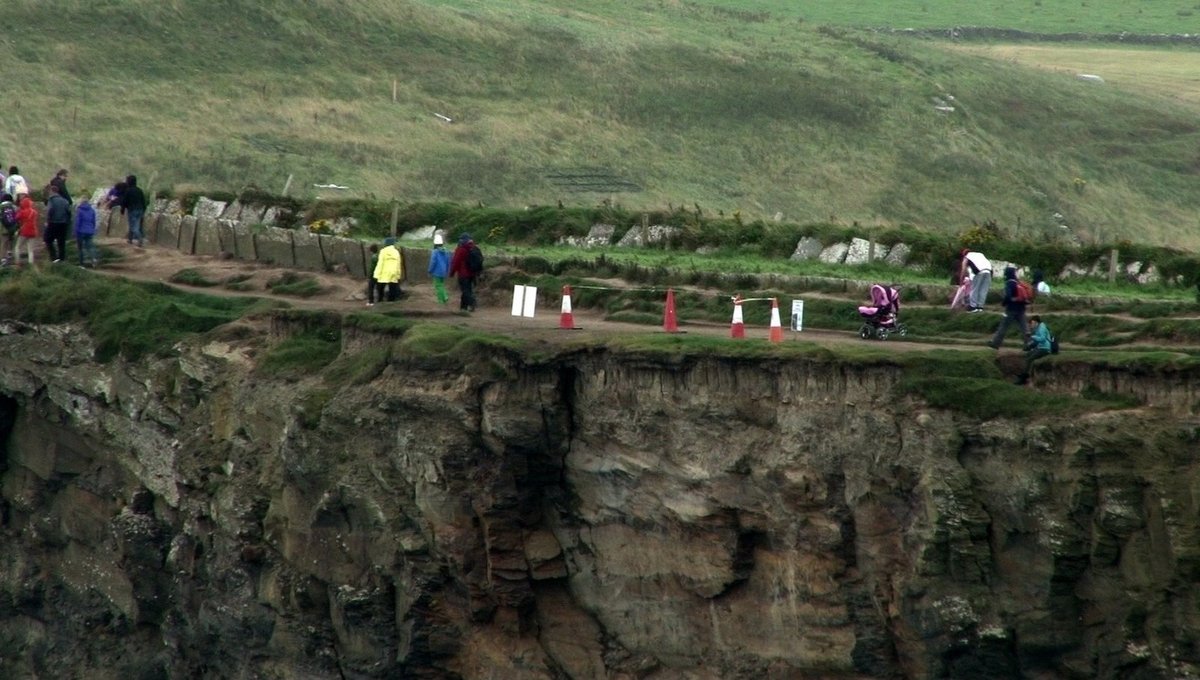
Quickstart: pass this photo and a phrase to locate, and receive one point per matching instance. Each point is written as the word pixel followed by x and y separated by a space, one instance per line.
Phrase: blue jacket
pixel 439 263
pixel 1041 336
pixel 85 220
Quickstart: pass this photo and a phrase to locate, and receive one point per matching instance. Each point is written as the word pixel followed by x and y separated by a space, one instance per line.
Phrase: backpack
pixel 8 216
pixel 475 260
pixel 1024 292
pixel 1054 344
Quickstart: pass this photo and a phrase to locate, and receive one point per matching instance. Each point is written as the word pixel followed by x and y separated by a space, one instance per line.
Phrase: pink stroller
pixel 882 317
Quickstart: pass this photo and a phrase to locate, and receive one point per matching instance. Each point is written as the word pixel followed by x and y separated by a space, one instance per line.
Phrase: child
pixel 85 232
pixel 1037 347
pixel 374 250
pixel 27 231
pixel 439 267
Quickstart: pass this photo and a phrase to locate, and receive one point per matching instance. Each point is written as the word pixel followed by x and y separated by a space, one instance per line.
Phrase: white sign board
pixel 524 301
pixel 797 315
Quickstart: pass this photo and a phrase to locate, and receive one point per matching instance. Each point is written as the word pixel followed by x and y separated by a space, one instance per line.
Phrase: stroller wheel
pixel 882 333
pixel 902 330
pixel 864 332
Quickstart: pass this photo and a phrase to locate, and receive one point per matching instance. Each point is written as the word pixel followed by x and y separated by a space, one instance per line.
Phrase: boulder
pixel 423 235
pixel 898 255
pixel 270 216
pixel 343 225
pixel 834 254
pixel 1072 271
pixel 655 233
pixel 859 251
pixel 807 248
pixel 233 211
pixel 206 207
pixel 599 235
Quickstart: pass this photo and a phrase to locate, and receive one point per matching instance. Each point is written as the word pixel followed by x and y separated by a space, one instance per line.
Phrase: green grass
pixel 295 284
pixel 1044 16
pixel 743 106
pixel 124 318
pixel 303 354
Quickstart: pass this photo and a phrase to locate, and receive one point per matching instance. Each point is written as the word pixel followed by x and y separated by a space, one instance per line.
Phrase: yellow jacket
pixel 390 268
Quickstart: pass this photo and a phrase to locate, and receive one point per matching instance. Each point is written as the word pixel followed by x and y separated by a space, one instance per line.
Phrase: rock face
pixel 591 516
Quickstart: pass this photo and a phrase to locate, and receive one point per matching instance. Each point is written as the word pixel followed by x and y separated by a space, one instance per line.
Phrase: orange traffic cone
pixel 670 323
pixel 567 321
pixel 738 328
pixel 776 327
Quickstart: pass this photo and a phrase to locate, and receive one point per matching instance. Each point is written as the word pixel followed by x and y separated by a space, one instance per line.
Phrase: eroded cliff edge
pixel 586 515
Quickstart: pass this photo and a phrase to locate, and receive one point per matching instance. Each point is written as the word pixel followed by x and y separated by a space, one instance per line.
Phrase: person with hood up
pixel 1014 310
pixel 439 267
pixel 460 268
pixel 60 181
pixel 27 232
pixel 58 222
pixel 389 270
pixel 85 233
pixel 133 206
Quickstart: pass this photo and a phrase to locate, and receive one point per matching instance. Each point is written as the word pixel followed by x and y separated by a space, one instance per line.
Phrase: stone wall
pixel 215 229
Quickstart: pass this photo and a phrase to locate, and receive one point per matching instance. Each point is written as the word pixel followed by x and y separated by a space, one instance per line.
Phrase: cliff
pixel 487 513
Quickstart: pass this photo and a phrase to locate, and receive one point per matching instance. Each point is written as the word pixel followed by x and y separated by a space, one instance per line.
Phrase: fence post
pixel 1112 265
pixel 395 217
pixel 287 185
pixel 645 229
pixel 871 247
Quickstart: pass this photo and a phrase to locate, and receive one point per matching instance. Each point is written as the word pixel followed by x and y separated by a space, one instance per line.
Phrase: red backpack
pixel 1024 292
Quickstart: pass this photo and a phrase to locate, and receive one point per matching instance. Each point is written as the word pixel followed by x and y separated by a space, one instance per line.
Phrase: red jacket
pixel 458 262
pixel 27 218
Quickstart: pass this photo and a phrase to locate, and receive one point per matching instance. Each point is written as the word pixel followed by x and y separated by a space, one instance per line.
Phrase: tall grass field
pixel 761 108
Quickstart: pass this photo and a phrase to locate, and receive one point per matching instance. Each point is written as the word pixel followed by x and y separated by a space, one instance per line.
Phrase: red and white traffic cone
pixel 738 328
pixel 566 321
pixel 776 327
pixel 670 323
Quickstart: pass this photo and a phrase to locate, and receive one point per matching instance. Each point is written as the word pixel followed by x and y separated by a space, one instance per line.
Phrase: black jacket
pixel 58 210
pixel 133 199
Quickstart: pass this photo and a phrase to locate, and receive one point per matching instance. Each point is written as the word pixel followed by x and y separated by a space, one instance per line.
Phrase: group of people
pixel 975 268
pixel 387 270
pixel 20 220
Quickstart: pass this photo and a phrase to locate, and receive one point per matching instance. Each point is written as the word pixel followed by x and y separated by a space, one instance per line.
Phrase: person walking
pixel 976 267
pixel 27 232
pixel 85 233
pixel 1038 346
pixel 15 185
pixel 1014 310
pixel 58 222
pixel 389 270
pixel 60 181
pixel 8 227
pixel 466 265
pixel 133 206
pixel 374 251
pixel 439 267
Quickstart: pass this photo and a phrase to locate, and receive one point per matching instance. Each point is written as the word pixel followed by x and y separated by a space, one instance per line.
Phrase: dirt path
pixel 343 293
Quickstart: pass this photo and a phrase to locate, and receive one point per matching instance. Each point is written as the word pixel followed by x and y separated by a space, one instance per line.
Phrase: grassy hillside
pixel 735 106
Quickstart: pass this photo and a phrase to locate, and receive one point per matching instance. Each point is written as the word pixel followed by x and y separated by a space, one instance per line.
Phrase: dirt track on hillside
pixel 344 294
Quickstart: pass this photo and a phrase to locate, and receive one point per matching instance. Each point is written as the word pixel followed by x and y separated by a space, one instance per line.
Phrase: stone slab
pixel 306 249
pixel 424 234
pixel 208 241
pixel 655 233
pixel 416 264
pixel 273 245
pixel 228 238
pixel 834 254
pixel 206 207
pixel 164 231
pixel 807 248
pixel 233 211
pixel 898 255
pixel 187 234
pixel 244 244
pixel 345 252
